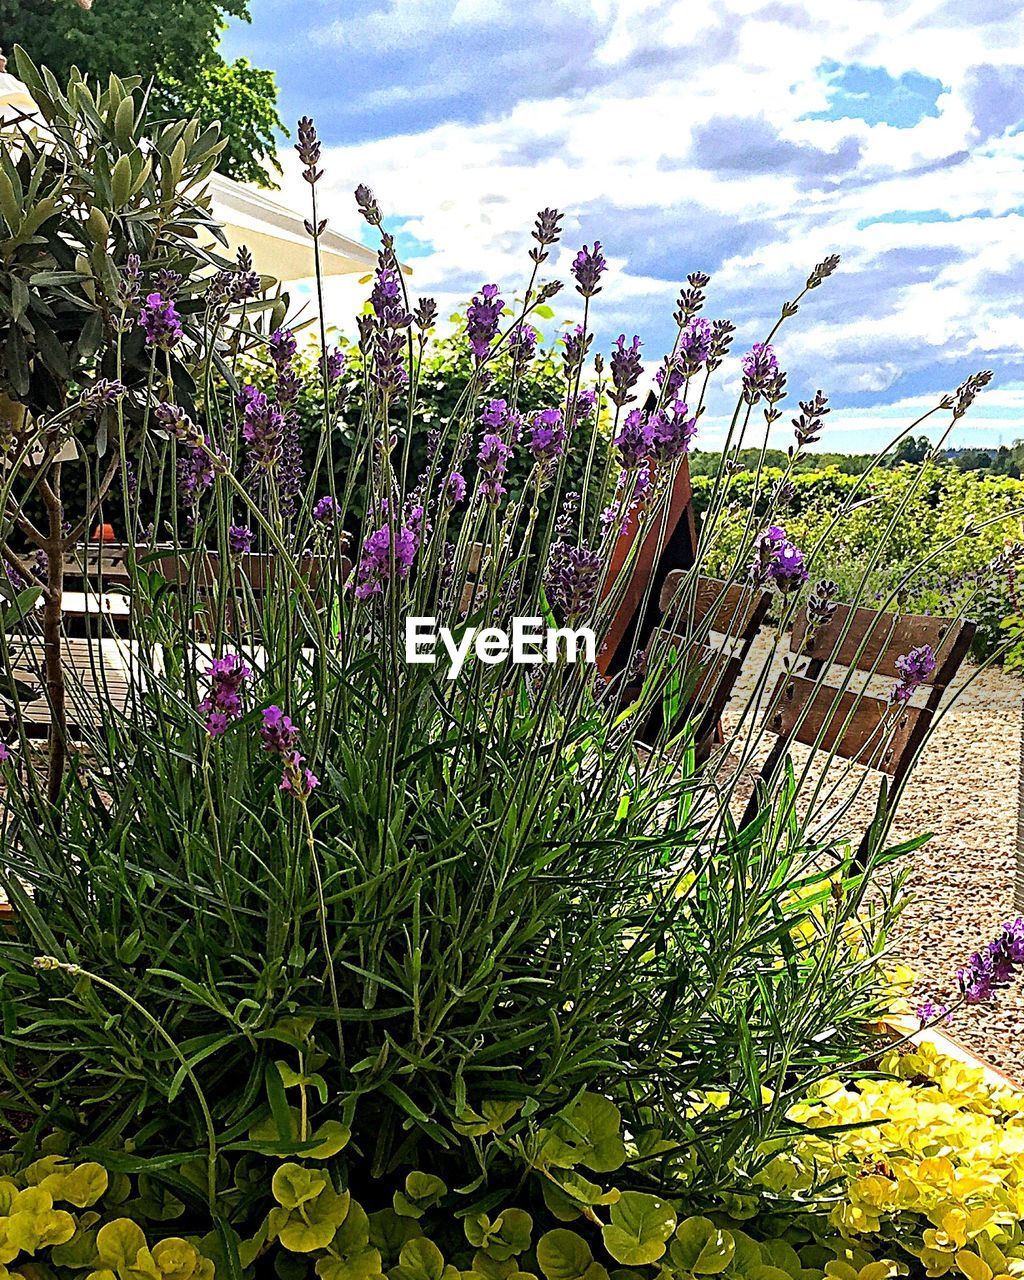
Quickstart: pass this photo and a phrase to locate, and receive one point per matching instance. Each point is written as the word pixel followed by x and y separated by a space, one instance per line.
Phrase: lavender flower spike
pixel 160 322
pixel 587 268
pixel 912 670
pixel 760 368
pixel 625 368
pixel 482 319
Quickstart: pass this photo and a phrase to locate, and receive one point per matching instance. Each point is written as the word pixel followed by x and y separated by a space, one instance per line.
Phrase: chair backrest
pixel 853 723
pixel 855 726
pixel 868 640
pixel 93 562
pixel 728 608
pixel 707 673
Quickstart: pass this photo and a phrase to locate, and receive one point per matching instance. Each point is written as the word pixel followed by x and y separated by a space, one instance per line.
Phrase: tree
pixel 104 198
pixel 175 42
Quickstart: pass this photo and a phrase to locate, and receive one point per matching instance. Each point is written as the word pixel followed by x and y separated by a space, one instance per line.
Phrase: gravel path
pixel 964 791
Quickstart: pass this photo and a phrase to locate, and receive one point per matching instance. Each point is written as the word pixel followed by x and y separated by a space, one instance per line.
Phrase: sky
pixel 745 139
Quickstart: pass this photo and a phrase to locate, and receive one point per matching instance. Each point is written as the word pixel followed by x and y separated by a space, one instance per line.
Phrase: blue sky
pixel 746 139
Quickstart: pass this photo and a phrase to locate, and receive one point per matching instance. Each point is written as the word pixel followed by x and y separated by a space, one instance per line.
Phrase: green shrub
pixel 955 548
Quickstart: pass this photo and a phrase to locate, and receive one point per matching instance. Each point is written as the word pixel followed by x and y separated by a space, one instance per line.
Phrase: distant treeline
pixel 1006 460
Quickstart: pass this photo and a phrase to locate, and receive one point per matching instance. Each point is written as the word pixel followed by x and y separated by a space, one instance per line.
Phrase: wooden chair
pixel 850 722
pixel 707 672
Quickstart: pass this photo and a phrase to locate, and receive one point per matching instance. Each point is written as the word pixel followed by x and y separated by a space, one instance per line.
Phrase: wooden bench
pixel 848 720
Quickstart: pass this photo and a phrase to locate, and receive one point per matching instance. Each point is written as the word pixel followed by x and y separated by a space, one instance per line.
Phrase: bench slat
pixel 884 637
pixel 856 726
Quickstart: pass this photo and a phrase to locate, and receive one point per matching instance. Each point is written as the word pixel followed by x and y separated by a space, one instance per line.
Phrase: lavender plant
pixel 458 902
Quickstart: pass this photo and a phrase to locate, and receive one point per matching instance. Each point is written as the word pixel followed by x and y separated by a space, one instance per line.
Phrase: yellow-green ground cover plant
pixel 321 961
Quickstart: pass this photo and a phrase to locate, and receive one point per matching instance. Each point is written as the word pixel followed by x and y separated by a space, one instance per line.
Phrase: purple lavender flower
pixel 912 670
pixel 247 283
pixel 160 322
pixel 223 703
pixel 14 576
pixel 789 573
pixel 5 753
pixel 587 268
pixel 583 405
pixel 425 315
pixel 767 546
pixel 822 604
pixel 572 579
pixel 625 367
pixel 999 959
pixel 308 147
pixel 496 416
pixel 389 371
pixel 335 364
pixel 240 539
pixel 281 737
pixel 325 509
pixel 546 232
pixel 290 471
pixel 1013 939
pixel 492 460
pixel 278 732
pixel 547 437
pixel 993 966
pixel 760 367
pixel 130 281
pixel 282 346
pixel 297 780
pixel 930 1013
pixel 263 430
pixel 642 484
pixel 777 560
pixel 166 281
pixel 522 344
pixel 808 426
pixel 694 345
pixel 367 205
pixel 635 440
pixel 244 396
pixel 576 342
pixel 673 432
pixel 375 563
pixel 975 980
pixel 454 489
pixel 195 475
pixel 387 300
pixel 482 319
pixel 176 422
pixel 103 394
pixel 671 378
pixel 289 385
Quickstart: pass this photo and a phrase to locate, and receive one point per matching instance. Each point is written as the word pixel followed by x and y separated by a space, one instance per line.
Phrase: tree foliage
pixel 175 42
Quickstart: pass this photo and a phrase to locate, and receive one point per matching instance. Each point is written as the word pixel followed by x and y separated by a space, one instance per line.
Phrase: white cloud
pixel 470 190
